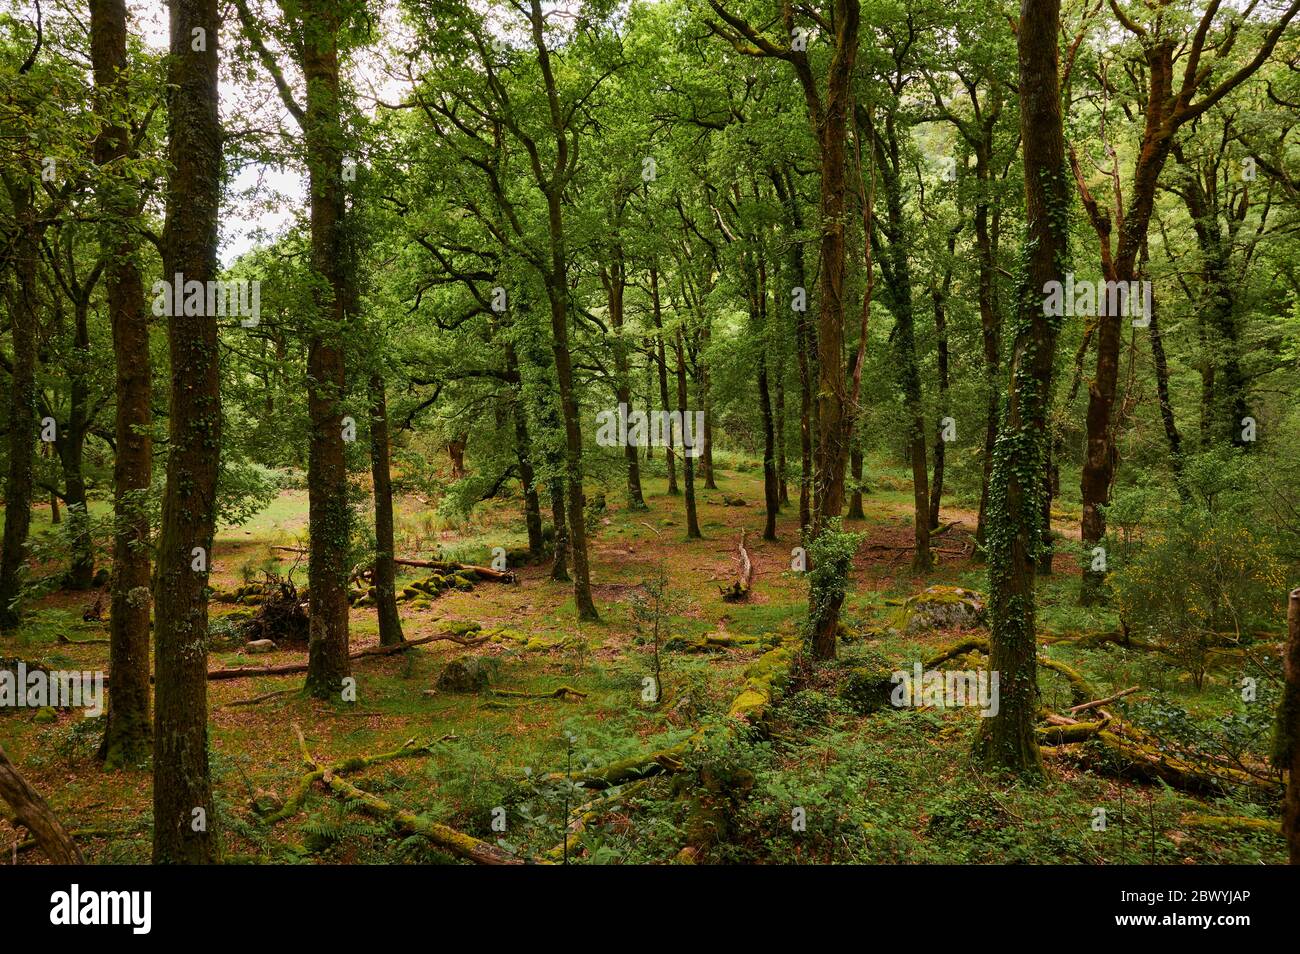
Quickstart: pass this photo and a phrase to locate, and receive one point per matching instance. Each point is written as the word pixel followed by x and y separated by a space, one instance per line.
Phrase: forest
pixel 637 432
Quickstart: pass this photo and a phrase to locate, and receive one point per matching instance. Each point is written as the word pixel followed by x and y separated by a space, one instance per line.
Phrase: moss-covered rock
pixel 466 674
pixel 942 607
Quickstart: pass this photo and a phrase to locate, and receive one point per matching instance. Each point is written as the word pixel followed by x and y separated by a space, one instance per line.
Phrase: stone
pixel 465 674
pixel 943 607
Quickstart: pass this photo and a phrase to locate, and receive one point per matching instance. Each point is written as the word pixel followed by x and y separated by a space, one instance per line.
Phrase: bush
pixel 1199 580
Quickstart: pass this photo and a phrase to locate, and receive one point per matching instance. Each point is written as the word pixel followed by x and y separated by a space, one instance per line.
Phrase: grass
pixel 896 786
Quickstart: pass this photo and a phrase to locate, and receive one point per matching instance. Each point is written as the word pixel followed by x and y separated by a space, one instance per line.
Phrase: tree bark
pixel 127 729
pixel 32 812
pixel 183 810
pixel 22 403
pixel 688 459
pixel 1289 729
pixel 615 279
pixel 385 570
pixel 656 315
pixel 329 514
pixel 1007 739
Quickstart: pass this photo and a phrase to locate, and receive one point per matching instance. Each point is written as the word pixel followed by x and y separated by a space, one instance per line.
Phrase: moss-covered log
pixel 447 838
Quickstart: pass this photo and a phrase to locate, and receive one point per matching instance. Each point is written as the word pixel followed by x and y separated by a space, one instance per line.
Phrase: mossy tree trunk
pixel 182 788
pixel 127 730
pixel 1007 740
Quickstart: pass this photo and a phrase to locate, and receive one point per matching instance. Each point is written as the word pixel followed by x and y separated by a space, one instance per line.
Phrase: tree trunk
pixel 71 446
pixel 385 571
pixel 22 404
pixel 990 333
pixel 939 298
pixel 804 347
pixel 855 469
pixel 704 388
pixel 1288 729
pixel 560 564
pixel 688 452
pixel 183 814
pixel 615 279
pixel 897 274
pixel 757 280
pixel 127 730
pixel 329 514
pixel 524 454
pixel 663 376
pixel 833 415
pixel 31 811
pixel 1007 740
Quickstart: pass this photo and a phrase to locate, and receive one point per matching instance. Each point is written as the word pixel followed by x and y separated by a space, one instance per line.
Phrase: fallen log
pixel 446 838
pixel 32 812
pixel 1123 757
pixel 289 669
pixel 1236 823
pixel 293 804
pixel 738 592
pixel 559 693
pixel 442 566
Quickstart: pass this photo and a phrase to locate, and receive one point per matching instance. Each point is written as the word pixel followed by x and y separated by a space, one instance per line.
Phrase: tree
pixel 182 787
pixel 126 734
pixel 1007 739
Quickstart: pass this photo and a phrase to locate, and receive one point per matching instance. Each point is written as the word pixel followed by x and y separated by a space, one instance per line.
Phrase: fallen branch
pixel 448 839
pixel 32 812
pixel 443 566
pixel 1233 823
pixel 289 669
pixel 293 805
pixel 83 642
pixel 262 698
pixel 559 693
pixel 1101 702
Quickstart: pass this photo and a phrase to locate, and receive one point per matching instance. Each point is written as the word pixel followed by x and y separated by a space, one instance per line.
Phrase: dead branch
pixel 289 669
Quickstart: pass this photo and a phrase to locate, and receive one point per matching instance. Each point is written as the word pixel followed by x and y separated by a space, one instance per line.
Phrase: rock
pixel 465 674
pixel 260 646
pixel 45 714
pixel 728 501
pixel 943 607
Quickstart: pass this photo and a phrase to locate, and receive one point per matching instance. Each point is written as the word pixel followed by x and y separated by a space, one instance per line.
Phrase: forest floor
pixel 893 786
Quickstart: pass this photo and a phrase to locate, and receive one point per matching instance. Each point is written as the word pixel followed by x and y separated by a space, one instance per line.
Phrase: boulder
pixel 942 607
pixel 465 674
